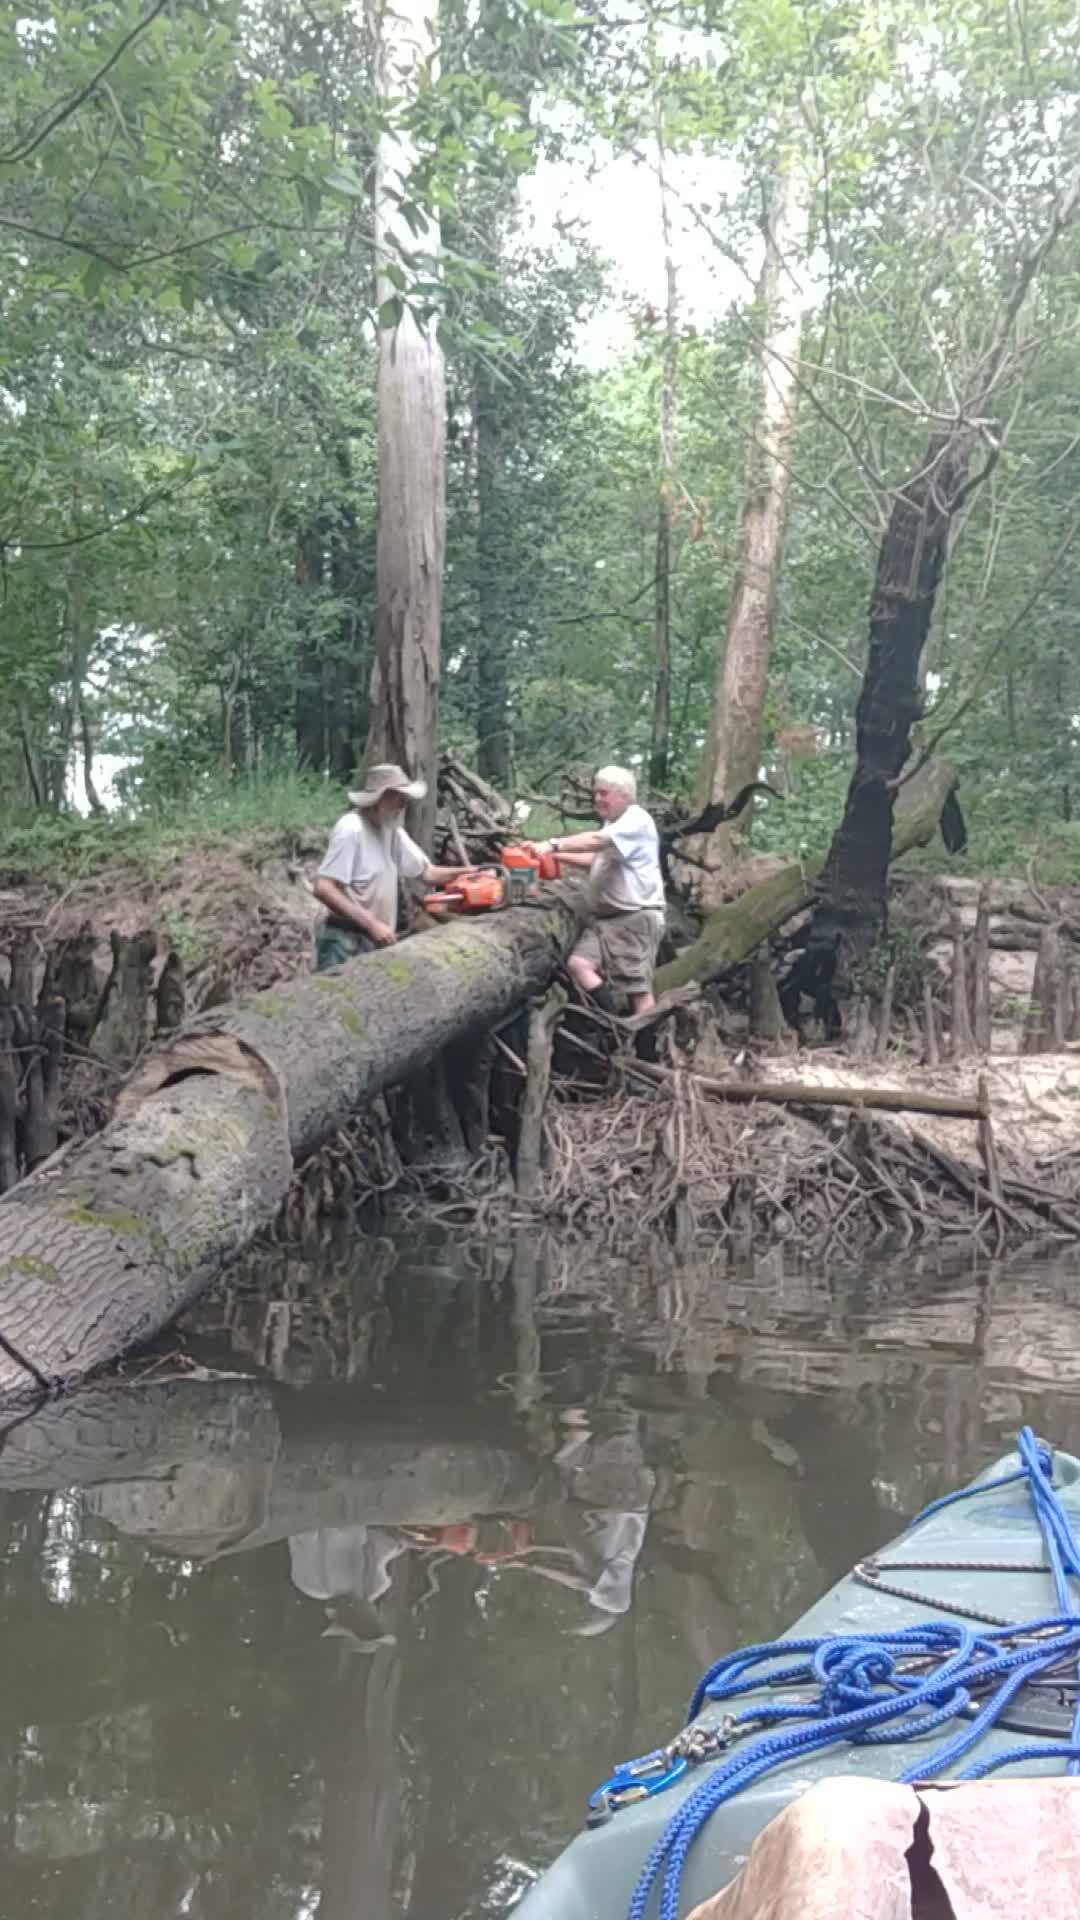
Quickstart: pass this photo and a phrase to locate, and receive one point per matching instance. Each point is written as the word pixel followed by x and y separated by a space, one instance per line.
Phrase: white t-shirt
pixel 367 859
pixel 626 876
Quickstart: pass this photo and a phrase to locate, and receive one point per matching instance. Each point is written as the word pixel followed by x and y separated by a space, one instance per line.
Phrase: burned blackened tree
pixel 850 912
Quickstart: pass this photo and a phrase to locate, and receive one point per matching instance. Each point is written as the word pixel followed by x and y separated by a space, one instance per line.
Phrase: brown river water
pixel 347 1604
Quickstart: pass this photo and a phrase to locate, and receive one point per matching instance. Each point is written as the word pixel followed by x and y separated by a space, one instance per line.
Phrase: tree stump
pixel 169 996
pixel 766 1017
pixel 881 1044
pixel 961 1043
pixel 41 1115
pixel 74 977
pixel 1044 1024
pixel 120 1033
pixel 9 1098
pixel 980 970
pixel 542 1021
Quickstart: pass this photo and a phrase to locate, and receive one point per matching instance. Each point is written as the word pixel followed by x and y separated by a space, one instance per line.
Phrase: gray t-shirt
pixel 626 876
pixel 368 860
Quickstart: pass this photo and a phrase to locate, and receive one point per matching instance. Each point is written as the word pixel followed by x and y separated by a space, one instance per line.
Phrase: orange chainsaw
pixel 490 888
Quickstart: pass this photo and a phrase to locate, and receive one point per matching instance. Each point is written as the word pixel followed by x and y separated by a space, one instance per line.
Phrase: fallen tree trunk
pixel 113 1237
pixel 731 932
pixel 793 1093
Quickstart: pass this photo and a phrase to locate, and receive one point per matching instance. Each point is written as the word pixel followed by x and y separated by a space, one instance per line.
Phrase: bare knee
pixel 583 973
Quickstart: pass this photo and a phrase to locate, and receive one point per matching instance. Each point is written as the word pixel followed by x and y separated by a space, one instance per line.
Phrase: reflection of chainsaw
pixel 501 1539
pixel 490 888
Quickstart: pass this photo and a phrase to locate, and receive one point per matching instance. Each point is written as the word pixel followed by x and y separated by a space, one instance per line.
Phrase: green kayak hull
pixel 596 1875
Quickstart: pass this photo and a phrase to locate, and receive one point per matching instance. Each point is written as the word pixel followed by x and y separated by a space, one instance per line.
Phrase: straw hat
pixel 389 779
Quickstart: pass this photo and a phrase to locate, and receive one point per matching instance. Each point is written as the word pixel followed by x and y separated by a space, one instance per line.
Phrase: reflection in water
pixel 347 1619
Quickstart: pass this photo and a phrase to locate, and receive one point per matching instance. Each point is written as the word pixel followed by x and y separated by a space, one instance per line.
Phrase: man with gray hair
pixel 625 892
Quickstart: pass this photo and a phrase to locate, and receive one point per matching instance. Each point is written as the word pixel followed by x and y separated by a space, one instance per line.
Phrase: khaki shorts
pixel 623 949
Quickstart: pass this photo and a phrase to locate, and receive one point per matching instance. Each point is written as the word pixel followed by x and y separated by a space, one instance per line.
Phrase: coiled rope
pixel 868 1690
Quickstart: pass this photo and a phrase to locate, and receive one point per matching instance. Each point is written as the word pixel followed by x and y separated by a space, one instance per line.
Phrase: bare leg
pixel 583 973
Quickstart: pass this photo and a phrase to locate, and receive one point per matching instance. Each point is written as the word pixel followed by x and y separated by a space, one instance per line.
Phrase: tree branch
pixel 67 107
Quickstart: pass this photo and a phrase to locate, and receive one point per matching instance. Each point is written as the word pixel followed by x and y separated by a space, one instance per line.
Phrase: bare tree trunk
pixel 79 636
pixel 733 749
pixel 660 742
pixel 493 560
pixel 411 401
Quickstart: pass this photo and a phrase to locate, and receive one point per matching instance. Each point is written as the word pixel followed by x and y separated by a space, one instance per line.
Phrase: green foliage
pixel 188 462
pixel 296 808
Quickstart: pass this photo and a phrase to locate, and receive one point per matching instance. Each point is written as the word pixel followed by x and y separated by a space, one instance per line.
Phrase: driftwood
pixel 108 1242
pixel 793 1093
pixel 732 932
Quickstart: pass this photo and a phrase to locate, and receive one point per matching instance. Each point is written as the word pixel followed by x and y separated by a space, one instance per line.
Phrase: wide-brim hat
pixel 388 779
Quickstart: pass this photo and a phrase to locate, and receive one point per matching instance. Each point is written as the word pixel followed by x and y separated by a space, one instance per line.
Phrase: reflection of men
pixel 625 892
pixel 350 1565
pixel 609 1489
pixel 369 853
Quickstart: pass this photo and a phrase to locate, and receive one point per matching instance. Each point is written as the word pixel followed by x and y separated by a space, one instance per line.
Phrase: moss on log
pixel 112 1238
pixel 731 932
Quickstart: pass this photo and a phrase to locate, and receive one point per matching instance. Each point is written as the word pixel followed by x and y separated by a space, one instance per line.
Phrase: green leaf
pixel 390 311
pixel 343 180
pixel 309 194
pixel 93 276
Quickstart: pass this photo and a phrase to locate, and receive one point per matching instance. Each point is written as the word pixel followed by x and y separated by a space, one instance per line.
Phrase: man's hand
pixel 382 935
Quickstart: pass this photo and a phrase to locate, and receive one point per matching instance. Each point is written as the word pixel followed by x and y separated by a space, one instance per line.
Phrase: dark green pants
pixel 335 943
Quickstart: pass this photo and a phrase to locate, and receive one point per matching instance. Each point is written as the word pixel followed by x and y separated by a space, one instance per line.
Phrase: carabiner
pixel 635 1780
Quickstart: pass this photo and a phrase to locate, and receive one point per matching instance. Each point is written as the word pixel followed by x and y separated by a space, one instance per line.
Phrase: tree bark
pixel 961 1041
pixel 543 1020
pixel 105 1245
pixel 733 749
pixel 9 1099
pixel 1044 1025
pixel 850 910
pixel 980 968
pixel 660 740
pixel 170 996
pixel 309 704
pixel 76 980
pixel 411 402
pixel 766 1015
pixel 492 572
pixel 851 905
pixel 120 1032
pixel 732 932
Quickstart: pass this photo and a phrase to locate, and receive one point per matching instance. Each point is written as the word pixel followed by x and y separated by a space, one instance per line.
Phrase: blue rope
pixel 872 1690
